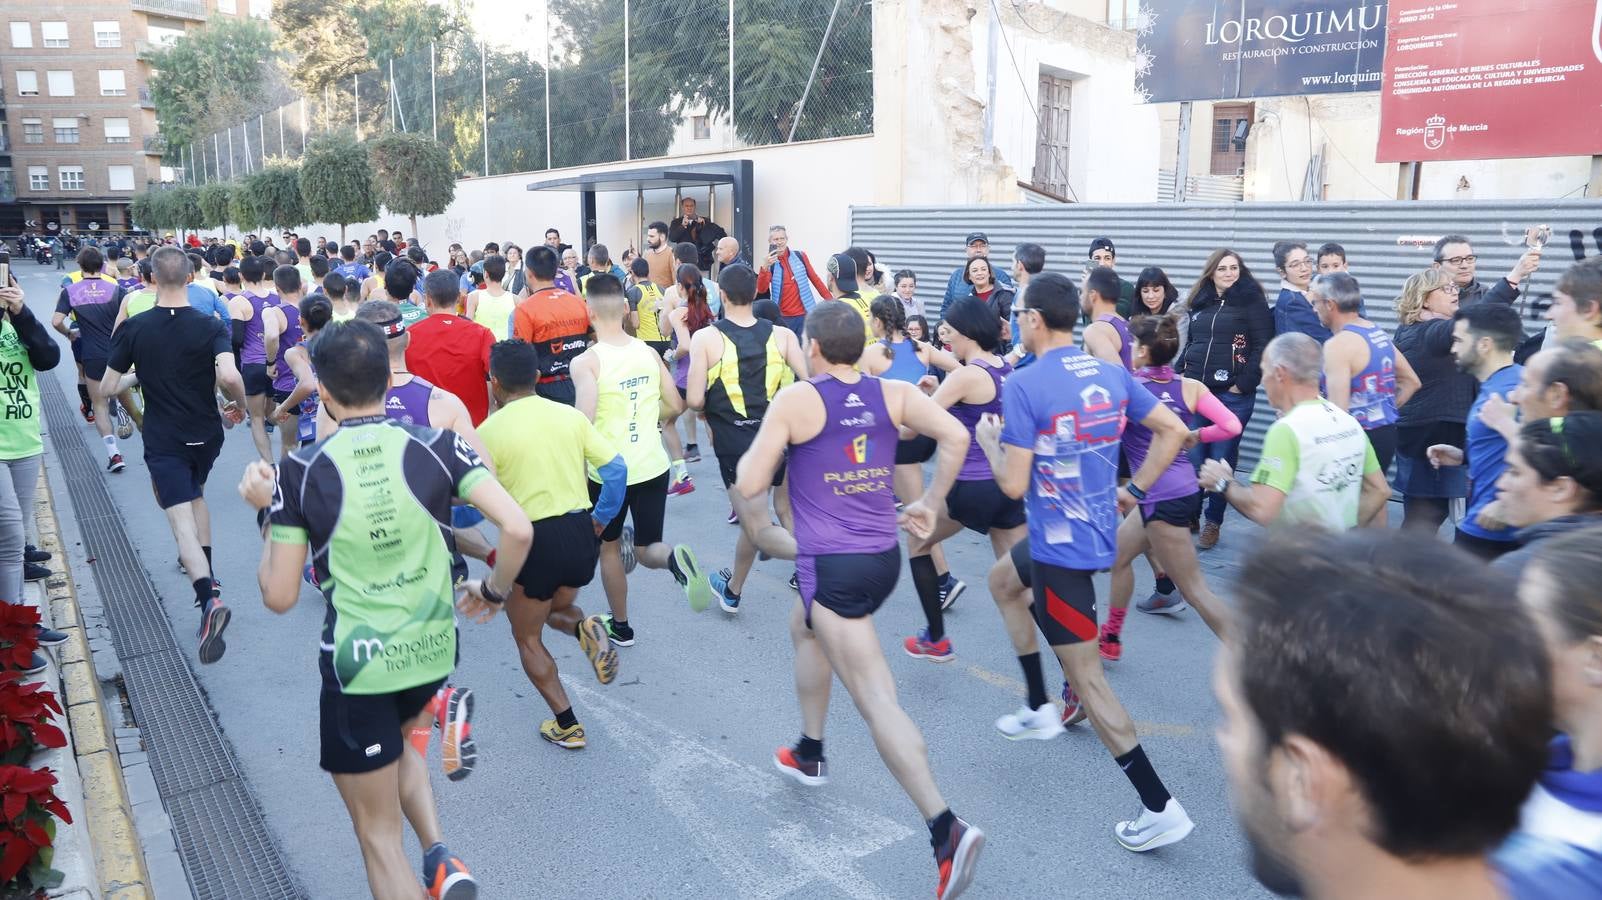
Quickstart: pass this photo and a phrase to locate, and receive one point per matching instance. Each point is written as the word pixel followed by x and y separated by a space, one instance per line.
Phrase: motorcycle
pixel 42 254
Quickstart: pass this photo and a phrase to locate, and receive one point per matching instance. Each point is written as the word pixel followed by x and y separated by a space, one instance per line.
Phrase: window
pixel 120 178
pixel 53 33
pixel 60 82
pixel 66 130
pixel 230 7
pixel 21 35
pixel 702 131
pixel 38 178
pixel 27 83
pixel 161 36
pixel 112 83
pixel 71 177
pixel 1051 141
pixel 108 34
pixel 117 131
pixel 33 131
pixel 1227 157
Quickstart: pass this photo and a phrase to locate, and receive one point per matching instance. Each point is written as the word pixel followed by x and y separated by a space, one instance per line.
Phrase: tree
pixel 277 195
pixel 411 175
pixel 336 182
pixel 183 205
pixel 141 211
pixel 214 197
pixel 366 35
pixel 213 77
pixel 242 206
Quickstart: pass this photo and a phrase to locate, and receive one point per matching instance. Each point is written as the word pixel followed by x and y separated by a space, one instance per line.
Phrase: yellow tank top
pixel 863 307
pixel 495 313
pixel 650 328
pixel 628 406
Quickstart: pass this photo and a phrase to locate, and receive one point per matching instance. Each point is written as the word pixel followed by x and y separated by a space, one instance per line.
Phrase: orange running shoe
pixel 454 715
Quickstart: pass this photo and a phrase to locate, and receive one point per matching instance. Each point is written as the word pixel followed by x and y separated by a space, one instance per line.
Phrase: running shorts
pixel 558 389
pixel 178 472
pixel 850 585
pixel 915 452
pixel 77 349
pixel 646 502
pixel 728 464
pixel 980 506
pixel 564 555
pixel 1179 512
pixel 364 732
pixel 256 380
pixel 94 369
pixel 1065 604
pixel 279 396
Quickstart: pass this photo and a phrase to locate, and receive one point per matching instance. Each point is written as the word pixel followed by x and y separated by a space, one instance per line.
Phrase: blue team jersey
pixel 1070 408
pixel 1486 455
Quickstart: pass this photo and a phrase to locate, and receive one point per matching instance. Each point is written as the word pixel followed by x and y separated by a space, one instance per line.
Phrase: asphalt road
pixel 676 796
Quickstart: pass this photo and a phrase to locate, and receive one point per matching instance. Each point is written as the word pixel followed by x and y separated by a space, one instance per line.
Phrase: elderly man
pixel 728 253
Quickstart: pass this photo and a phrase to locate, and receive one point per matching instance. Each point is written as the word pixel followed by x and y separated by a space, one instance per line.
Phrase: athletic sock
pixel 1115 621
pixel 419 738
pixel 566 719
pixel 207 550
pixel 1034 678
pixel 927 584
pixel 620 624
pixel 680 470
pixel 808 750
pixel 1138 769
pixel 1165 585
pixel 202 591
pixel 111 445
pixel 83 393
pixel 940 828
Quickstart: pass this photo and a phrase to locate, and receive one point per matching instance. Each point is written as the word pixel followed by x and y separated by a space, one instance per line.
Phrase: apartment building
pixel 78 133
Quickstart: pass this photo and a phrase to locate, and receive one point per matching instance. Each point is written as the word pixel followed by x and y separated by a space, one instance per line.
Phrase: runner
pixel 1065 417
pixel 685 320
pixel 842 426
pixel 1162 524
pixel 381 547
pixel 554 323
pixel 283 331
pixel 492 305
pixel 645 302
pixel 339 290
pixel 622 386
pixel 93 298
pixel 315 314
pixel 449 350
pixel 1107 335
pixel 255 271
pixel 736 367
pixel 183 357
pixel 842 273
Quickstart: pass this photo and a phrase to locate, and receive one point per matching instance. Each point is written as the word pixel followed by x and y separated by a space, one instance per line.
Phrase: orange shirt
pixel 557 324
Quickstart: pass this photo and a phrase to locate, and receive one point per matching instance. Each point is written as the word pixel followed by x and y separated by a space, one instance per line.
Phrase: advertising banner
pixel 1492 79
pixel 1239 49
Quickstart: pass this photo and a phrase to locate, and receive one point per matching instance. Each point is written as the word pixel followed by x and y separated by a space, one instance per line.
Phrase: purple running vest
pixel 408 403
pixel 975 466
pixel 254 350
pixel 285 380
pixel 1179 479
pixel 840 481
pixel 1126 345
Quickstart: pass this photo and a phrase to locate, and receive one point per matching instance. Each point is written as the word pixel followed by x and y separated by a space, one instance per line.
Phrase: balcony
pixel 144 98
pixel 155 144
pixel 194 10
pixel 144 50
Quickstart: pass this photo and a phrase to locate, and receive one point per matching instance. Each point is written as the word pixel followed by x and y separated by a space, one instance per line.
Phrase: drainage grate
pixel 226 848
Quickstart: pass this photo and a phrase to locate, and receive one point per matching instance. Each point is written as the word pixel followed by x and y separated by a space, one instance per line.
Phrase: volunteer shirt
pixel 1317 455
pixel 175 350
pixel 1486 455
pixel 453 353
pixel 556 323
pixel 540 448
pixel 1070 408
pixel 93 301
pixel 373 503
pixel 19 397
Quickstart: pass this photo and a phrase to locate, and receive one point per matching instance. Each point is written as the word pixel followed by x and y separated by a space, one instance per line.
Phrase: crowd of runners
pixel 1402 715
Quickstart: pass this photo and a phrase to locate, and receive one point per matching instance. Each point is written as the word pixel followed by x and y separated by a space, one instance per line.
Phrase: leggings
pixel 19 484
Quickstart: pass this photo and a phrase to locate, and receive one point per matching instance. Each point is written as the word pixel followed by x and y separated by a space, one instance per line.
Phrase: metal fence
pixel 591 81
pixel 1202 188
pixel 1385 244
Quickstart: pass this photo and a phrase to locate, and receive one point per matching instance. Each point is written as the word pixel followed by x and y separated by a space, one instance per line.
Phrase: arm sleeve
pixel 1281 457
pixel 221 340
pixel 1259 331
pixel 609 465
pixel 1501 292
pixel 287 520
pixel 43 351
pixel 1225 424
pixel 1018 418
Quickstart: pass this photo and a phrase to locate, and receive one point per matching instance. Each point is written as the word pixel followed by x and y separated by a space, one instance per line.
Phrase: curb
pixel 119 860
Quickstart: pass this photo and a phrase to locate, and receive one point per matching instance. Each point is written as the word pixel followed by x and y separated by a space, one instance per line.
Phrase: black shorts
pixel 558 389
pixel 980 506
pixel 1124 474
pixel 94 368
pixel 1022 562
pixel 646 503
pixel 364 732
pixel 279 396
pixel 77 349
pixel 915 452
pixel 1383 439
pixel 659 347
pixel 564 555
pixel 256 380
pixel 728 464
pixel 850 585
pixel 1065 604
pixel 178 472
pixel 1179 512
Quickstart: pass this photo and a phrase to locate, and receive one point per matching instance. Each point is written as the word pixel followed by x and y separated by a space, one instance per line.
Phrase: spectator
pixel 728 254
pixel 1455 256
pixel 1331 258
pixel 977 244
pixel 690 228
pixel 553 240
pixel 1437 410
pixel 601 262
pixel 980 277
pixel 1576 310
pixel 1157 296
pixel 1292 310
pixel 1104 254
pixel 781 280
pixel 659 255
pixel 906 285
pixel 567 277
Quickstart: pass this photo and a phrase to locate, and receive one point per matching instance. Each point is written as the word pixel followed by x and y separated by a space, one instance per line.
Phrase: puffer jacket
pixel 1227 335
pixel 1531 537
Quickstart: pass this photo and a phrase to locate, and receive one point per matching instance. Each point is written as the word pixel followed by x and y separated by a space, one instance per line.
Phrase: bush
pixel 411 175
pixel 277 196
pixel 336 182
pixel 28 802
pixel 214 198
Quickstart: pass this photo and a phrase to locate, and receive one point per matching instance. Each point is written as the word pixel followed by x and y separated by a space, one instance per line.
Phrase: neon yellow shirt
pixel 495 313
pixel 540 448
pixel 628 407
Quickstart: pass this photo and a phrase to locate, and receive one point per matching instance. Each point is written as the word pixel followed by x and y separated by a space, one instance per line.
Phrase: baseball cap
pixel 976 236
pixel 843 269
pixel 1102 243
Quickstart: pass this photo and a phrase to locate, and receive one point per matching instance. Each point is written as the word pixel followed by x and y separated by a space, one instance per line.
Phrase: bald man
pixel 728 253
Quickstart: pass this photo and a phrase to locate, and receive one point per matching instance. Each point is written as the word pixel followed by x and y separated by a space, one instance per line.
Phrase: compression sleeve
pixel 614 482
pixel 1225 424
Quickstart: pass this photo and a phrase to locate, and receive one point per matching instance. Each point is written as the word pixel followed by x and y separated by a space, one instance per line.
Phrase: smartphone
pixel 772 249
pixel 5 268
pixel 1536 238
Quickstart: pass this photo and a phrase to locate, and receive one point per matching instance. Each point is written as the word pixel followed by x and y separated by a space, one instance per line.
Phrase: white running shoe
pixel 1041 724
pixel 1155 829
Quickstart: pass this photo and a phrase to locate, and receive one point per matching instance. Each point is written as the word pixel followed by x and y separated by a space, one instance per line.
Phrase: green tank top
pixel 628 407
pixel 19 401
pixel 495 313
pixel 141 301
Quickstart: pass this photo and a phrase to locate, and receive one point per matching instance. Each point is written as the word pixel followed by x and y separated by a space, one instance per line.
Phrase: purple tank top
pixel 1126 346
pixel 254 350
pixel 975 466
pixel 408 403
pixel 1179 479
pixel 285 380
pixel 840 481
pixel 1373 400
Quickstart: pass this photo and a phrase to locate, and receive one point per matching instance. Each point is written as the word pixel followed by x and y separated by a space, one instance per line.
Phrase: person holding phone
pixel 788 278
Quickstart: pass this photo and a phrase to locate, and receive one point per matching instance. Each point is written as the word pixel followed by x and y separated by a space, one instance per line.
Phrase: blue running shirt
pixel 1486 455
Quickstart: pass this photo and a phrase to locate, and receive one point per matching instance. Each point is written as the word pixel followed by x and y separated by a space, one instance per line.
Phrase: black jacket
pixel 43 351
pixel 1227 337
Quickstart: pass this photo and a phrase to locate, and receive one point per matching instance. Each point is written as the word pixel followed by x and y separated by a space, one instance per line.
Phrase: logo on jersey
pixel 857 451
pixel 852 401
pixel 1095 398
pixel 866 420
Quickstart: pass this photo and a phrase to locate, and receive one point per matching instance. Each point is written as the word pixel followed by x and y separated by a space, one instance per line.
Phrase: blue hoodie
pixel 1292 312
pixel 1557 852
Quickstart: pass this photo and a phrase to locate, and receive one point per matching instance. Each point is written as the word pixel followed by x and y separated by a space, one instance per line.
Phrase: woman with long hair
pixel 1437 411
pixel 690 316
pixel 1230 324
pixel 1155 295
pixel 1552 484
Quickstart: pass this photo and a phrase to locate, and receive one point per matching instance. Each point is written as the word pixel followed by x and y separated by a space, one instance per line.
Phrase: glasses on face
pixel 1456 260
pixel 1303 263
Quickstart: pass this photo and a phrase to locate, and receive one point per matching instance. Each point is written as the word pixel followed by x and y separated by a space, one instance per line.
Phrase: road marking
pixel 812 838
pixel 1013 685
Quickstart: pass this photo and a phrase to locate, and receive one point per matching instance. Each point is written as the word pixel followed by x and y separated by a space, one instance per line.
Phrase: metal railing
pixel 1202 188
pixel 185 9
pixel 144 98
pixel 155 143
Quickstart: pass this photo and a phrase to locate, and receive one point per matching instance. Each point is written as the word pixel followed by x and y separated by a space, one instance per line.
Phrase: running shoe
pixel 626 546
pixel 1111 645
pixel 458 750
pixel 734 518
pixel 125 426
pixel 447 878
pixel 920 647
pixel 1027 724
pixel 213 622
pixel 719 582
pixel 1073 712
pixel 1163 604
pixel 88 413
pixel 685 485
pixel 812 774
pixel 571 738
pixel 49 637
pixel 950 590
pixel 692 453
pixel 687 571
pixel 795 582
pixel 34 572
pixel 36 664
pixel 115 463
pixel 1209 537
pixel 958 859
pixel 620 635
pixel 34 554
pixel 1151 830
pixel 598 647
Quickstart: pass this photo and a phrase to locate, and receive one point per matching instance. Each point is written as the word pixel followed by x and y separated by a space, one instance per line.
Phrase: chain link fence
pixel 597 81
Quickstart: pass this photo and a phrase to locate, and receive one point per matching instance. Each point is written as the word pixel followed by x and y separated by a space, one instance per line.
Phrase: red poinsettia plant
pixel 19 635
pixel 29 807
pixel 25 713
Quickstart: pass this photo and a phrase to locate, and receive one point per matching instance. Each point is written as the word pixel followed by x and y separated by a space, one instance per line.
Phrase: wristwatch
pixel 1135 490
pixel 1221 486
pixel 490 594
